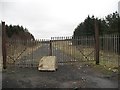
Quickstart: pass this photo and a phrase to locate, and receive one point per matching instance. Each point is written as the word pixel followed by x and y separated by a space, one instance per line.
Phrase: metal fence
pixel 68 50
pixel 80 49
pixel 110 50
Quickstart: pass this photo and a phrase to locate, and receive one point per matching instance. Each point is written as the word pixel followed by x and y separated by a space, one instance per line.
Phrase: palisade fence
pixel 110 50
pixel 68 50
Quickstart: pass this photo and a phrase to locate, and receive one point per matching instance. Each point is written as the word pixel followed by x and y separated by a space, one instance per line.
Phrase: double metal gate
pixel 68 50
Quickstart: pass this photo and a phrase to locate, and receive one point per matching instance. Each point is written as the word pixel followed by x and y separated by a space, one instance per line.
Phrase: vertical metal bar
pixel 50 53
pixel 96 43
pixel 4 45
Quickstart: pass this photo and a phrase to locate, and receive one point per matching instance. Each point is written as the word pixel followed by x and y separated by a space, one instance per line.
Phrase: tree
pixel 18 31
pixel 109 25
pixel 112 21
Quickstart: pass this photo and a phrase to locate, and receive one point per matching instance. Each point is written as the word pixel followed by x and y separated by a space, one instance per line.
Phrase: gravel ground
pixel 67 76
pixel 75 75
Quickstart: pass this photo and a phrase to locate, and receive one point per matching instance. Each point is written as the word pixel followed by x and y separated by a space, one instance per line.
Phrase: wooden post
pixel 50 53
pixel 96 42
pixel 4 45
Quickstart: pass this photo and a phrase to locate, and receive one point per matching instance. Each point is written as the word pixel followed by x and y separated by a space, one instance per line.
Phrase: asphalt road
pixel 70 75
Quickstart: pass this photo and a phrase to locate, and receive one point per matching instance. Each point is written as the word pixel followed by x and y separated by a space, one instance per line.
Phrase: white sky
pixel 49 18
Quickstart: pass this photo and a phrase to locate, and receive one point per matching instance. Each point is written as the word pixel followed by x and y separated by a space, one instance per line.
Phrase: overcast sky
pixel 49 18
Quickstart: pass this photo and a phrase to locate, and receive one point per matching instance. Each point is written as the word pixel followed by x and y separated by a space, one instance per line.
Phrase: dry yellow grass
pixel 82 54
pixel 17 51
pixel 107 59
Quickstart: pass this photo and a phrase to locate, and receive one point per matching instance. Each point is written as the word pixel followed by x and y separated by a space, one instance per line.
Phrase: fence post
pixel 50 53
pixel 4 45
pixel 96 42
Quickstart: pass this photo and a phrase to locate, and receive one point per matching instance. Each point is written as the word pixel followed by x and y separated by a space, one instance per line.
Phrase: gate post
pixel 50 53
pixel 4 45
pixel 96 42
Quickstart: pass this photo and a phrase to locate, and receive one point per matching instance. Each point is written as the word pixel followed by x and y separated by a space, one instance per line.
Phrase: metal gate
pixel 26 53
pixel 69 50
